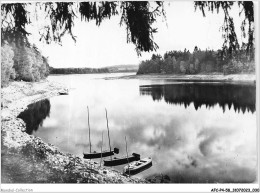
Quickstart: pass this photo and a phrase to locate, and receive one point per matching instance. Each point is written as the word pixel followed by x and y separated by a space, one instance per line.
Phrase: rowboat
pixel 122 160
pixel 138 166
pixel 95 155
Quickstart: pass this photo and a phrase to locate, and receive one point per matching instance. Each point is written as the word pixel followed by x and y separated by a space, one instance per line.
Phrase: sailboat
pixel 123 160
pixel 94 155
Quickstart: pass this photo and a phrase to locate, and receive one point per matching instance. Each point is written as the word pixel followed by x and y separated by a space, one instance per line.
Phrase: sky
pixel 106 45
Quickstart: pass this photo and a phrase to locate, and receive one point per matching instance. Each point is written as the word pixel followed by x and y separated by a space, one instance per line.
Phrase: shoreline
pixel 31 156
pixel 211 77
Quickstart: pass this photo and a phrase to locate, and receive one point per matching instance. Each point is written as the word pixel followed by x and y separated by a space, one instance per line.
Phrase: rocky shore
pixel 28 159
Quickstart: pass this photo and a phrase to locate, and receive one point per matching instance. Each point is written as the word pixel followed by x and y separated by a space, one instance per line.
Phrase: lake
pixel 194 132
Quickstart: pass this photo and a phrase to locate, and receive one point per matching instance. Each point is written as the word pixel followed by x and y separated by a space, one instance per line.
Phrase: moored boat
pixel 95 155
pixel 123 160
pixel 138 166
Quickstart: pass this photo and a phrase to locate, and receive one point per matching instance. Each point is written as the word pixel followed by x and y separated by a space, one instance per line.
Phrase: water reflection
pixel 34 115
pixel 241 97
pixel 186 145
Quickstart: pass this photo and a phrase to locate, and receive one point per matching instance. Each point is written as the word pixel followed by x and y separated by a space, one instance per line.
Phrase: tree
pixel 196 65
pixel 169 64
pixel 230 45
pixel 7 63
pixel 183 67
pixel 27 62
pixel 156 56
pixel 23 64
pixel 137 16
pixel 45 68
pixel 196 62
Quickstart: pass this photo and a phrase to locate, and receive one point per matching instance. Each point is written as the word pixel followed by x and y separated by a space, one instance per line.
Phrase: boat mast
pixel 108 133
pixel 101 149
pixel 127 155
pixel 89 133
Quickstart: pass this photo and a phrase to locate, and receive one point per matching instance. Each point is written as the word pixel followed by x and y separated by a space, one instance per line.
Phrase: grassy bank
pixel 28 159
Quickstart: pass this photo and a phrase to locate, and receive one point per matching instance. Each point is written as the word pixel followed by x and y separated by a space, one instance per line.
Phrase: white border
pixel 149 187
pixel 124 187
pixel 257 60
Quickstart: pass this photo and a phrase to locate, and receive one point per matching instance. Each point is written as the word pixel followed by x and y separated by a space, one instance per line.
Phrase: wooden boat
pixel 138 166
pixel 94 155
pixel 101 154
pixel 123 160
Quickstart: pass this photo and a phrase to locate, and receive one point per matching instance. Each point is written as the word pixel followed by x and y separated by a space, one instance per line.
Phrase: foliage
pixel 78 70
pixel 20 62
pixel 23 64
pixel 13 23
pixel 7 71
pixel 137 16
pixel 184 62
pixel 230 45
pixel 29 63
pixel 235 66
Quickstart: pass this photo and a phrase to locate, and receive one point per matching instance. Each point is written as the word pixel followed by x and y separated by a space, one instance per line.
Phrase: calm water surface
pixel 195 132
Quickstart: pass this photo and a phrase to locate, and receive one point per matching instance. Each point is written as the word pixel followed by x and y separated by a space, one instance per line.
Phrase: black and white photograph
pixel 129 92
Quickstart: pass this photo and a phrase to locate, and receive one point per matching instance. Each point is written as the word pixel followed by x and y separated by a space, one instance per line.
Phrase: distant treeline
pixel 22 61
pixel 90 70
pixel 185 62
pixel 78 70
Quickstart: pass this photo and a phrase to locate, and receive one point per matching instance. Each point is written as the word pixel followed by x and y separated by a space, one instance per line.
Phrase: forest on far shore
pixel 108 69
pixel 77 70
pixel 199 61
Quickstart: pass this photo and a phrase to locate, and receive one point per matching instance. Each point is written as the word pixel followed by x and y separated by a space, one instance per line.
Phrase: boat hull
pixel 99 155
pixel 121 161
pixel 136 170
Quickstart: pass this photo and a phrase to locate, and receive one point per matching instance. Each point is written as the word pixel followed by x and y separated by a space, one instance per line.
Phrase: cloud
pixel 211 137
